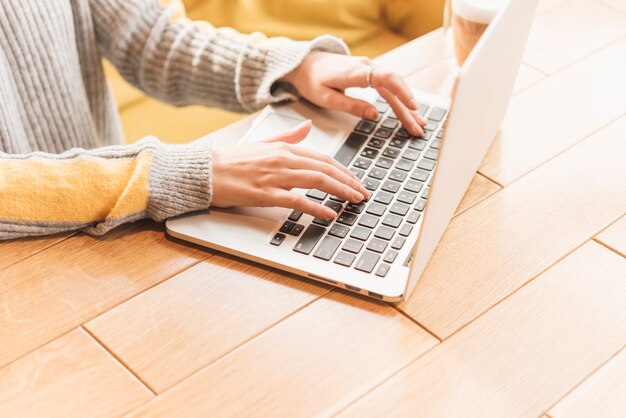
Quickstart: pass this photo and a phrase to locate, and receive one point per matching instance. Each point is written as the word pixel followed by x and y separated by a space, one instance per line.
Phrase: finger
pixel 406 116
pixel 309 179
pixel 291 200
pixel 302 163
pixel 392 82
pixel 334 100
pixel 305 152
pixel 295 135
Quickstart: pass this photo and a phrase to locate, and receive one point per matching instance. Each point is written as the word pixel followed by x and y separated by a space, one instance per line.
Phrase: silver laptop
pixel 379 248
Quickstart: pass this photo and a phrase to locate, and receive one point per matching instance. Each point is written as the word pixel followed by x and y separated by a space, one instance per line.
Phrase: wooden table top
pixel 521 311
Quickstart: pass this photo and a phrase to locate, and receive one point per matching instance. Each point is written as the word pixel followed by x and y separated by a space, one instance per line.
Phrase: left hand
pixel 323 77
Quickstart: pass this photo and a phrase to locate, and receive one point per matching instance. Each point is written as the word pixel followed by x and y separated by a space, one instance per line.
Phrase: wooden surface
pixel 520 312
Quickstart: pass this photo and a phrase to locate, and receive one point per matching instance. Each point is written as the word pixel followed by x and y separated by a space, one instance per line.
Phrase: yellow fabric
pixel 64 189
pixel 370 27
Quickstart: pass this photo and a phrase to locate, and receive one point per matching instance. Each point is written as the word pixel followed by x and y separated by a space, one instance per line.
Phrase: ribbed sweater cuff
pixel 258 77
pixel 179 180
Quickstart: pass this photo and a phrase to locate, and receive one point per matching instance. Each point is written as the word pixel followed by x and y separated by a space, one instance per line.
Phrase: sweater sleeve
pixel 158 50
pixel 97 190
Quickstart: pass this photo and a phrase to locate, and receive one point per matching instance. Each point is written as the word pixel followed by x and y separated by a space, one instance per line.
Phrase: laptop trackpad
pixel 321 138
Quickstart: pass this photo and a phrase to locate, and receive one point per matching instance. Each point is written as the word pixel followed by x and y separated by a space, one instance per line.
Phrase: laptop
pixel 379 248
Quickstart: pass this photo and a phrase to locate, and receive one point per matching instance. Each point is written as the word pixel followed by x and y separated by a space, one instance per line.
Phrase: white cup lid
pixel 479 11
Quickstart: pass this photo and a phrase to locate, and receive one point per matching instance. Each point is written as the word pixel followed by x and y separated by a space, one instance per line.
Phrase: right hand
pixel 263 173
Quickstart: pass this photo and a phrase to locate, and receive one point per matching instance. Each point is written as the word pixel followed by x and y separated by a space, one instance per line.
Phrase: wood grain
pixel 601 395
pixel 72 282
pixel 315 361
pixel 522 355
pixel 14 251
pixel 495 247
pixel 526 77
pixel 563 35
pixel 69 377
pixel 479 189
pixel 198 316
pixel 614 237
pixel 555 113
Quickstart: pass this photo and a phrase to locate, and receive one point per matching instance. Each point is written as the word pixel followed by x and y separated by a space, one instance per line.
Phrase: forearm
pixel 98 190
pixel 184 62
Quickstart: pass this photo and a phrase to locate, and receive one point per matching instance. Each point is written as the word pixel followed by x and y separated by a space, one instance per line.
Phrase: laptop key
pixel 367 261
pixel 322 221
pixel 411 154
pixel 420 175
pixel 391 186
pixel 431 154
pixel 327 248
pixel 309 239
pixel 426 193
pixel 365 126
pixel 376 209
pixel 383 133
pixel 345 259
pixel 371 184
pixel 391 220
pixel 377 245
pixel 384 233
pixel 407 197
pixel 390 256
pixel 399 209
pixel 297 230
pixel 316 194
pixel 295 216
pixel 403 134
pixel 383 197
pixel 398 243
pixel 418 144
pixel 355 207
pixel 358 172
pixel 337 199
pixel 336 206
pixel 436 144
pixel 368 221
pixel 382 270
pixel 361 233
pixel 430 127
pixel 376 143
pixel 390 123
pixel 426 164
pixel 384 163
pixel 404 165
pixel 406 229
pixel 422 109
pixel 339 231
pixel 382 107
pixel 277 239
pixel 352 246
pixel 398 142
pixel 420 205
pixel 377 173
pixel 350 147
pixel 390 152
pixel 437 114
pixel 369 153
pixel 287 227
pixel 413 217
pixel 413 186
pixel 397 175
pixel 362 163
pixel 347 218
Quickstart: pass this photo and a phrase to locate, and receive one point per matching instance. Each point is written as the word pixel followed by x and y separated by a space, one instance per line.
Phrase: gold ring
pixel 370 70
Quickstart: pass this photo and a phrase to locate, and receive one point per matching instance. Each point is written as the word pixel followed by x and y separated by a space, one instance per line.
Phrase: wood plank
pixel 615 237
pixel 601 395
pixel 522 355
pixel 14 251
pixel 193 319
pixel 567 33
pixel 545 5
pixel 74 281
pixel 479 189
pixel 491 250
pixel 555 113
pixel 70 377
pixel 526 77
pixel 315 361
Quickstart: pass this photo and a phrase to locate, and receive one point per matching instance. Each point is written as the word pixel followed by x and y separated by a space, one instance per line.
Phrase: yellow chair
pixel 369 27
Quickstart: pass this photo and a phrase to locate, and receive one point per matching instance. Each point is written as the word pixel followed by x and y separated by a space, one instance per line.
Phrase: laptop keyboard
pixel 397 168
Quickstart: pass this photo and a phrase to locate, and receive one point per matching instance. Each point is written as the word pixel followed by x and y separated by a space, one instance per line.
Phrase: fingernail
pixel 417 129
pixel 413 104
pixel 330 214
pixel 371 114
pixel 357 196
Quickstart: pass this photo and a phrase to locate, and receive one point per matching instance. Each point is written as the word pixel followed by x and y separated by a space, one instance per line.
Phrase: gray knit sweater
pixel 54 97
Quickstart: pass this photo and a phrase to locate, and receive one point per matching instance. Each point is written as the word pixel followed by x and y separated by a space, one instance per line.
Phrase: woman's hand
pixel 322 78
pixel 263 173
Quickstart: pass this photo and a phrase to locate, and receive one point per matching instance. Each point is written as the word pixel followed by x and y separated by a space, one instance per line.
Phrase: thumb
pixel 295 135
